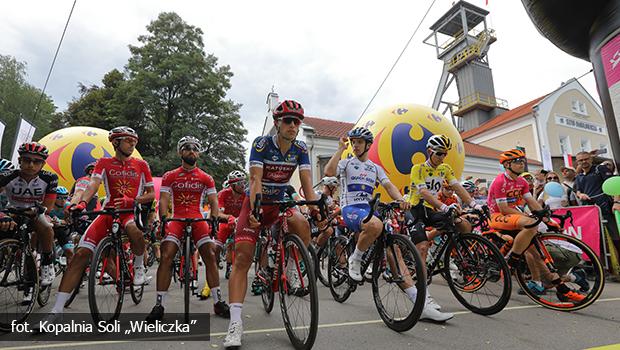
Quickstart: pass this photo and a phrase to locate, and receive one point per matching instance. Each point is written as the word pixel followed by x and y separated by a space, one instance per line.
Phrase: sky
pixel 329 55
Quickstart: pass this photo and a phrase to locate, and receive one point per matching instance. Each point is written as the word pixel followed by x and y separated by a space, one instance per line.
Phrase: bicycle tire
pixel 10 248
pixel 104 250
pixel 381 271
pixel 187 278
pixel 596 275
pixel 308 278
pixel 476 279
pixel 43 297
pixel 267 294
pixel 322 263
pixel 338 276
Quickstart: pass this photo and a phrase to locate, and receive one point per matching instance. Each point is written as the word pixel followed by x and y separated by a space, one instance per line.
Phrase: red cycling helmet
pixel 289 107
pixel 122 131
pixel 33 148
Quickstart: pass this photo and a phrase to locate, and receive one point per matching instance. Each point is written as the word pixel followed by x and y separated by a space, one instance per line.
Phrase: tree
pixel 18 99
pixel 170 88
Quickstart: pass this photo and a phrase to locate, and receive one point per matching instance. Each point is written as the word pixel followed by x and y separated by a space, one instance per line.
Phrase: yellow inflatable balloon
pixel 71 149
pixel 401 133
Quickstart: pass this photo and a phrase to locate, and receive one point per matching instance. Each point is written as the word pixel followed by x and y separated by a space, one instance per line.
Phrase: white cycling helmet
pixel 188 140
pixel 330 181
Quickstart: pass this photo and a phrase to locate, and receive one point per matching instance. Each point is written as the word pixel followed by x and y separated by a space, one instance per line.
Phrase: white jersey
pixel 358 180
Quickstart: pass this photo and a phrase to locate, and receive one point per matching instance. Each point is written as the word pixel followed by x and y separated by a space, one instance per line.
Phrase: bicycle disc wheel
pixel 477 274
pixel 396 268
pixel 578 266
pixel 299 300
pixel 338 271
pixel 19 283
pixel 106 285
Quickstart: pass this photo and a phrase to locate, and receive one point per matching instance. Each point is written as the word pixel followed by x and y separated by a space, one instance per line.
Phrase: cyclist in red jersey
pixel 508 190
pixel 273 160
pixel 229 201
pixel 127 180
pixel 188 188
pixel 81 185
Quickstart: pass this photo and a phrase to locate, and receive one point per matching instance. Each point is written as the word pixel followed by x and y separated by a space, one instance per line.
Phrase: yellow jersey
pixel 425 176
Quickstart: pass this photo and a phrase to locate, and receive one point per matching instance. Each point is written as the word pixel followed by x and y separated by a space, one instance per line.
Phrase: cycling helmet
pixel 6 164
pixel 361 133
pixel 289 107
pixel 235 176
pixel 61 190
pixel 188 140
pixel 33 148
pixel 469 186
pixel 89 166
pixel 330 181
pixel 511 155
pixel 122 131
pixel 439 143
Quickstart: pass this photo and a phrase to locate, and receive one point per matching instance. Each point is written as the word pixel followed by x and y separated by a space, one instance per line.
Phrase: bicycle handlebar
pixel 539 215
pixel 289 204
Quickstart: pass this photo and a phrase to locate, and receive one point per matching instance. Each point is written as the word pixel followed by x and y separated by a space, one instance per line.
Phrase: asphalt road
pixel 356 324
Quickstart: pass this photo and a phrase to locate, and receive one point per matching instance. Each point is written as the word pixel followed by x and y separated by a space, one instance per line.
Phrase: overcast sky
pixel 329 55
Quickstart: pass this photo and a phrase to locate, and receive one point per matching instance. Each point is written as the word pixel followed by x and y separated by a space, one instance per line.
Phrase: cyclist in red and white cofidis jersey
pixel 230 200
pixel 188 188
pixel 127 180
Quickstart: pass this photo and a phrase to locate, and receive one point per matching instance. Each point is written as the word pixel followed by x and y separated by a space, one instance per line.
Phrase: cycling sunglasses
pixel 34 161
pixel 291 120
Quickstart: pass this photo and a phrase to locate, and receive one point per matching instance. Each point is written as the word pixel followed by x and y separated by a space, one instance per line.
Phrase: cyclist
pixel 27 186
pixel 127 180
pixel 506 192
pixel 80 185
pixel 273 160
pixel 229 201
pixel 61 231
pixel 358 178
pixel 5 165
pixel 187 187
pixel 330 185
pixel 426 181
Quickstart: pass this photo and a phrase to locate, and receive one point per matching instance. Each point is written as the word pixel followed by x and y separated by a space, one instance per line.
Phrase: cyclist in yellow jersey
pixel 426 181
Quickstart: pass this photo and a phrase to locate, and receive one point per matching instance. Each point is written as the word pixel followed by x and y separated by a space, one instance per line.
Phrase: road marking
pixel 606 347
pixel 273 330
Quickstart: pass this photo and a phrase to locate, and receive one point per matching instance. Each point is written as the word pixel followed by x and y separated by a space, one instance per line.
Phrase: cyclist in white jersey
pixel 358 179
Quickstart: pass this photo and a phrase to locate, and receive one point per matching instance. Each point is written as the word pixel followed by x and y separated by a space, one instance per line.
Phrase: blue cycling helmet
pixel 61 190
pixel 6 164
pixel 361 133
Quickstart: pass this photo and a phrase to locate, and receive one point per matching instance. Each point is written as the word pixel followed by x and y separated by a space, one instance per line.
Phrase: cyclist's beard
pixel 189 160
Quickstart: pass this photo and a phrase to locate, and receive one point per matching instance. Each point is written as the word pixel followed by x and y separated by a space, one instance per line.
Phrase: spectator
pixel 588 189
pixel 530 180
pixel 539 184
pixel 610 165
pixel 552 202
pixel 568 174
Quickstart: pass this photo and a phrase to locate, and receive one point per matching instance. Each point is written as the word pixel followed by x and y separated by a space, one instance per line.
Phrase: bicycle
pixel 395 263
pixel 290 272
pixel 473 266
pixel 187 265
pixel 111 268
pixel 77 226
pixel 19 275
pixel 576 263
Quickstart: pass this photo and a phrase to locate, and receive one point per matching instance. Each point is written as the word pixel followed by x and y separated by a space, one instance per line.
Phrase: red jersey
pixel 128 178
pixel 505 189
pixel 189 190
pixel 227 202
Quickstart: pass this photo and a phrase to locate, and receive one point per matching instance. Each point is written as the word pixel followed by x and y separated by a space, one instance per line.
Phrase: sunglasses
pixel 441 154
pixel 553 178
pixel 519 160
pixel 62 197
pixel 34 161
pixel 291 120
pixel 190 148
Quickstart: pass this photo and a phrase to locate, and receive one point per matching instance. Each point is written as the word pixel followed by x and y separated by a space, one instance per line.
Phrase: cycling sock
pixel 235 312
pixel 161 298
pixel 217 294
pixel 47 258
pixel 513 259
pixel 61 300
pixel 138 260
pixel 412 292
pixel 560 287
pixel 357 254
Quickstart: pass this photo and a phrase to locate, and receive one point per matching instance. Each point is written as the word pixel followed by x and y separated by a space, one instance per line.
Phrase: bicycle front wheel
pixel 577 265
pixel 395 269
pixel 106 285
pixel 338 270
pixel 19 283
pixel 299 300
pixel 187 277
pixel 477 274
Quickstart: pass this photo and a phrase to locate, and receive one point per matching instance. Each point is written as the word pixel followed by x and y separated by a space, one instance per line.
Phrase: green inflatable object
pixel 611 186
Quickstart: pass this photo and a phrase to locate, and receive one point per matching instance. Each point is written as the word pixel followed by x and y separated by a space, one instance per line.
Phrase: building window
pixel 585 145
pixel 579 107
pixel 565 145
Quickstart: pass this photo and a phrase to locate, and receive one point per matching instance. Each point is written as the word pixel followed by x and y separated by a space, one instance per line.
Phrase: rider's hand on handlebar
pixel 404 205
pixel 446 208
pixel 6 222
pixel 124 202
pixel 254 223
pixel 78 207
pixel 232 221
pixel 552 225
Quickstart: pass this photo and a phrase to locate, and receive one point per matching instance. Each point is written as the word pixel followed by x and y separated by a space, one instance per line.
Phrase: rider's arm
pixel 305 176
pixel 90 191
pixel 215 211
pixel 429 198
pixel 393 191
pixel 221 206
pixel 148 196
pixel 256 183
pixel 164 202
pixel 463 194
pixel 330 168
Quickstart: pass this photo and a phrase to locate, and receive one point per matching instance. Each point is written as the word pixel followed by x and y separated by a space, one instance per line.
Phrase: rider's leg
pixel 136 237
pixel 164 271
pixel 324 236
pixel 299 225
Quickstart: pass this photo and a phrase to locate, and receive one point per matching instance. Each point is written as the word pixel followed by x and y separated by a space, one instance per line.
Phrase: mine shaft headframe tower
pixel 462 39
